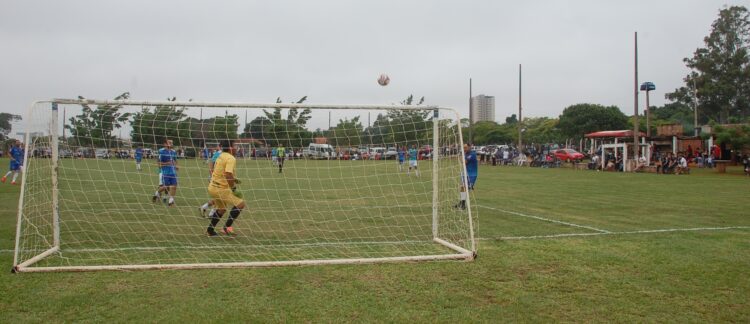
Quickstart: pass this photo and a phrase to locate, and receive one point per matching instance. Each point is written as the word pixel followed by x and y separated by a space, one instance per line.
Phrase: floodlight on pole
pixel 648 87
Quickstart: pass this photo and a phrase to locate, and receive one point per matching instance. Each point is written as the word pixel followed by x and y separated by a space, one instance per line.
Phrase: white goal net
pixel 322 184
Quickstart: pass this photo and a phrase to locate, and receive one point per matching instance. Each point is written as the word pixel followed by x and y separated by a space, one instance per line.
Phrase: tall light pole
pixel 520 117
pixel 648 87
pixel 471 116
pixel 635 103
pixel 696 128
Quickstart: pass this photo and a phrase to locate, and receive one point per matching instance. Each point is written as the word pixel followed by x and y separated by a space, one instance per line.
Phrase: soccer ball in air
pixel 383 80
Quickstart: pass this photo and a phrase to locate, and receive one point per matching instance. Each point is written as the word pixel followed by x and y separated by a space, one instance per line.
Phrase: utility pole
pixel 520 117
pixel 64 125
pixel 696 128
pixel 471 116
pixel 636 146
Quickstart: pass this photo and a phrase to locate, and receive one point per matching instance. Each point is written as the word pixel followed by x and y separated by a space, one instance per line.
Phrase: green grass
pixel 612 274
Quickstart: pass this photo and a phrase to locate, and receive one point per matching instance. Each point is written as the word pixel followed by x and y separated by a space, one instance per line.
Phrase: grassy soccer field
pixel 555 244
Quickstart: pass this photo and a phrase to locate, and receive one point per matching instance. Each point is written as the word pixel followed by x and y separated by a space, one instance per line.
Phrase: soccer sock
pixel 157 193
pixel 171 199
pixel 15 175
pixel 215 216
pixel 233 214
pixel 204 206
pixel 7 174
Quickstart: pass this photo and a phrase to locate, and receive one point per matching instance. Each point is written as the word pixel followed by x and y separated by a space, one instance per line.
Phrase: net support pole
pixel 27 139
pixel 55 146
pixel 435 164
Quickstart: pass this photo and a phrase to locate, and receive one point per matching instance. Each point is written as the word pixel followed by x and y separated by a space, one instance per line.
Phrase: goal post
pixel 86 206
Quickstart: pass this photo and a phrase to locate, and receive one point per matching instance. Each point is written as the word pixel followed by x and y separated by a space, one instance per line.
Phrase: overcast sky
pixel 572 51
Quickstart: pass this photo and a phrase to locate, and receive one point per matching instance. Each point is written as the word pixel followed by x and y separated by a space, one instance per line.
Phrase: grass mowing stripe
pixel 546 219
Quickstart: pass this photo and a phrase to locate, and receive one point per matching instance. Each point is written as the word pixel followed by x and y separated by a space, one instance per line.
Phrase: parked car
pixel 318 151
pixel 391 153
pixel 64 154
pixel 377 153
pixel 101 154
pixel 569 155
pixel 124 154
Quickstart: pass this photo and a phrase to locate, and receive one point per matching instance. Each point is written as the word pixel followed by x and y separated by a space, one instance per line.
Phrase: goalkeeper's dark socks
pixel 215 216
pixel 233 214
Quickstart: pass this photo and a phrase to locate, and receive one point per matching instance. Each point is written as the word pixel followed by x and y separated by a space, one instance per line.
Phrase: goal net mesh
pixel 342 192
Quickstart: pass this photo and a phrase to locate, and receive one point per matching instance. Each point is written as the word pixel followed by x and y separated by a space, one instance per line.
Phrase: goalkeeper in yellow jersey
pixel 222 190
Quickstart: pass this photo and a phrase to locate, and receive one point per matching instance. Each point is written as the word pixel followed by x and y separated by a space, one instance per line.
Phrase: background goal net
pixel 342 195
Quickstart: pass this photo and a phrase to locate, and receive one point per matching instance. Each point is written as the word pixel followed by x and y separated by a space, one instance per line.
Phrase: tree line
pixel 94 126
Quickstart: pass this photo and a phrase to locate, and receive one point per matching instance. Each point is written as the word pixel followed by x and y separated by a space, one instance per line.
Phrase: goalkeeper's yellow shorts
pixel 223 197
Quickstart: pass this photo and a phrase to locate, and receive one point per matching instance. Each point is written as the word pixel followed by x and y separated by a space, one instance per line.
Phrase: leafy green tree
pixel 94 126
pixel 720 70
pixel 5 124
pixel 347 133
pixel 153 127
pixel 511 120
pixel 578 120
pixel 737 136
pixel 402 127
pixel 489 132
pixel 670 113
pixel 542 130
pixel 274 129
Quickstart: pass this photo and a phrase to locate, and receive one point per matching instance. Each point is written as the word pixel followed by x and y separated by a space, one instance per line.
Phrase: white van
pixel 318 151
pixel 377 153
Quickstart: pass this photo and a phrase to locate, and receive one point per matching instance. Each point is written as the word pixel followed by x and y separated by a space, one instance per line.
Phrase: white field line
pixel 547 219
pixel 666 230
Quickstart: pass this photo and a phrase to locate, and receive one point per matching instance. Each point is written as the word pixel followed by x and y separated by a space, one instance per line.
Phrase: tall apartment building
pixel 483 108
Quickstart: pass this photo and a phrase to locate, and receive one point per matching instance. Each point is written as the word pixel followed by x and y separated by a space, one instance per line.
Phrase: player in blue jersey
pixel 211 163
pixel 472 170
pixel 138 157
pixel 413 152
pixel 168 165
pixel 274 156
pixel 16 154
pixel 401 158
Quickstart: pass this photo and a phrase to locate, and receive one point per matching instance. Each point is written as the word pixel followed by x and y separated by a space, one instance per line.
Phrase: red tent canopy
pixel 613 134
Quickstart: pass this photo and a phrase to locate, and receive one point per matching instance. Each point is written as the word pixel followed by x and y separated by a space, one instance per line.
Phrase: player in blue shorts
pixel 472 169
pixel 16 154
pixel 168 166
pixel 413 160
pixel 211 162
pixel 401 158
pixel 138 157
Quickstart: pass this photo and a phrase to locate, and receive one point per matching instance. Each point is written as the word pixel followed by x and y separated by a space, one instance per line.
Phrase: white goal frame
pixel 459 253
